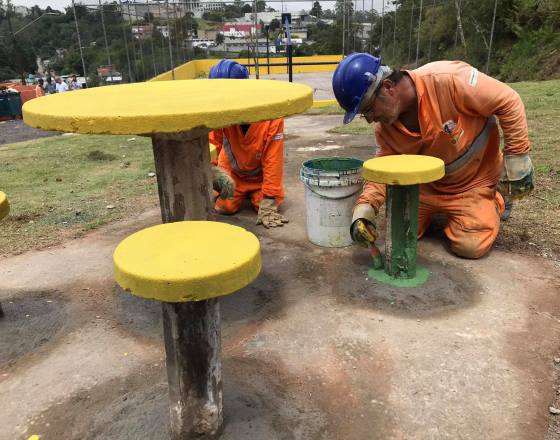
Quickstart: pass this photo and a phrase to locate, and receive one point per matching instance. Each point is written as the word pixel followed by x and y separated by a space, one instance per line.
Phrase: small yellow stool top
pixel 403 169
pixel 4 205
pixel 213 152
pixel 187 261
pixel 167 106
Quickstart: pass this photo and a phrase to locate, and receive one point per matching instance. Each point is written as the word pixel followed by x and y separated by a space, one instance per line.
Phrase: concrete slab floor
pixel 311 350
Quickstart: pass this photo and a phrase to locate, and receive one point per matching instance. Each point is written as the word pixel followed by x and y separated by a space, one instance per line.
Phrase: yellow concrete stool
pixel 4 211
pixel 403 175
pixel 178 116
pixel 187 261
pixel 192 263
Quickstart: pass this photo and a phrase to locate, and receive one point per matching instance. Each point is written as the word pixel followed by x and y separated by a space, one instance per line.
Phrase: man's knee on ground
pixel 471 245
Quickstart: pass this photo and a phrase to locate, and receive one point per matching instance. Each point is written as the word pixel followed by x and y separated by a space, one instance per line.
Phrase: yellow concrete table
pixel 178 116
pixel 4 211
pixel 402 175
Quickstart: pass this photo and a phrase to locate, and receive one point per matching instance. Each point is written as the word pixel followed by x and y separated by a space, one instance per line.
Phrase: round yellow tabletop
pixel 167 106
pixel 403 169
pixel 187 261
pixel 4 205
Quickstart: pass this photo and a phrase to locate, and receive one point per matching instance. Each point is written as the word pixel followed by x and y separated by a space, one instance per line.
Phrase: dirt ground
pixel 313 349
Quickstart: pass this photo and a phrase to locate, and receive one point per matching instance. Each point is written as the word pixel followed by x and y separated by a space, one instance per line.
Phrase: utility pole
pixel 106 43
pixel 132 41
pixel 267 29
pixel 343 24
pixel 382 19
pixel 395 37
pixel 149 21
pixel 169 40
pixel 140 40
pixel 410 32
pixel 491 36
pixel 123 25
pixel 256 53
pixel 418 34
pixel 432 30
pixel 79 42
pixel 162 39
pixel 460 26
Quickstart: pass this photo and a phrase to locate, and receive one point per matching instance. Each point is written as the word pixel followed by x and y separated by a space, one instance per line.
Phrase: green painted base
pixel 380 275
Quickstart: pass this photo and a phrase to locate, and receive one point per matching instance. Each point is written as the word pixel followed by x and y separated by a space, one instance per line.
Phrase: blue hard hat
pixel 351 80
pixel 228 69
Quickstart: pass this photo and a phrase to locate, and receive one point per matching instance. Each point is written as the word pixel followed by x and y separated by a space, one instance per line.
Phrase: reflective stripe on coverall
pixel 261 148
pixel 454 102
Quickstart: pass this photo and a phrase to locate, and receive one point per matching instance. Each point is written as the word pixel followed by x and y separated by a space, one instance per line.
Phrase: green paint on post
pixel 383 277
pixel 402 231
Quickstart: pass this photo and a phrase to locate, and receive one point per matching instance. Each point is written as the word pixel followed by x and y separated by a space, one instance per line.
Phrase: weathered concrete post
pixel 191 329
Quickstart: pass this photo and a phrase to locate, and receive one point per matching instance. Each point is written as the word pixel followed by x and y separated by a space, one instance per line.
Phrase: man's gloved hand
pixel 363 230
pixel 517 179
pixel 268 214
pixel 222 183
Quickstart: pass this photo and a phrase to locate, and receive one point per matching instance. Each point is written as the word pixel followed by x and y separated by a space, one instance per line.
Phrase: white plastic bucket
pixel 332 185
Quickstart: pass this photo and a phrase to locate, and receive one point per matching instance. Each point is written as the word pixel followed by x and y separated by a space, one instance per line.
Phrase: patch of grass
pixel 61 186
pixel 204 25
pixel 326 110
pixel 534 226
pixel 100 155
pixel 357 126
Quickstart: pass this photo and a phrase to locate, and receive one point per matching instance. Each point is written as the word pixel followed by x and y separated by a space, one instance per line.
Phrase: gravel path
pixel 16 131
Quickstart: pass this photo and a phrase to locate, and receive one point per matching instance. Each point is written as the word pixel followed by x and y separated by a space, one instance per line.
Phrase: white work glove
pixel 517 176
pixel 222 183
pixel 268 214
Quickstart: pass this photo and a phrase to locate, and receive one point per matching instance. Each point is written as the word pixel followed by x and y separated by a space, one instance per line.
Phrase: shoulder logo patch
pixel 473 77
pixel 278 136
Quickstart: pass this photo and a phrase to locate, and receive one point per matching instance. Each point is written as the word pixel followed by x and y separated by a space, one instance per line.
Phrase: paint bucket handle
pixel 330 198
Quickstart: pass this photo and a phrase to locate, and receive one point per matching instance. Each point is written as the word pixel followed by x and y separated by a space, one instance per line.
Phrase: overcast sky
pixel 288 6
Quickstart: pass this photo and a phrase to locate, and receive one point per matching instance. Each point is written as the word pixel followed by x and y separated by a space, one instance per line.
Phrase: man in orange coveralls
pixel 253 155
pixel 446 109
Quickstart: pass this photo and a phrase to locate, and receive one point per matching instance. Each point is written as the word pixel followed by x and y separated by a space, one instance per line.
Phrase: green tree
pixel 275 24
pixel 303 50
pixel 316 10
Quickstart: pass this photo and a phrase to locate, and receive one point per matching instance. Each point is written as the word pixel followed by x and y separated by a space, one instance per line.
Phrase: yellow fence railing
pixel 201 68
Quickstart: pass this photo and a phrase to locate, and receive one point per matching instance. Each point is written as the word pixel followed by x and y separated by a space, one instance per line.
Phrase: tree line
pixel 521 37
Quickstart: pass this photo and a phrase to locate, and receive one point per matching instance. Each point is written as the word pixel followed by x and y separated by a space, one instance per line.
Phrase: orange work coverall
pixel 255 161
pixel 455 101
